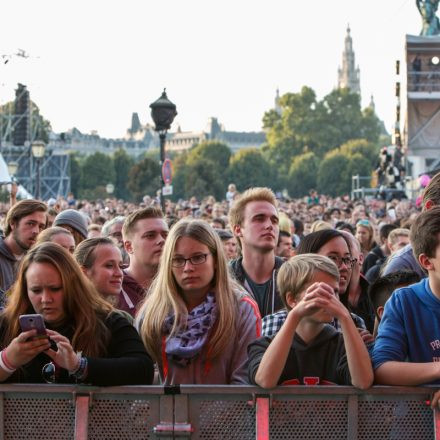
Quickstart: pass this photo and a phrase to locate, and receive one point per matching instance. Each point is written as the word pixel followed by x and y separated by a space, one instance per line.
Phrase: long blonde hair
pixel 82 304
pixel 165 295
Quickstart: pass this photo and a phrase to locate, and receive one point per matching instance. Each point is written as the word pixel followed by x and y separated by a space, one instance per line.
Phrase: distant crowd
pixel 248 290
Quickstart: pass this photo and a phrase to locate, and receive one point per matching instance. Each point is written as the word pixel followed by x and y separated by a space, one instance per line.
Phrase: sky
pixel 93 63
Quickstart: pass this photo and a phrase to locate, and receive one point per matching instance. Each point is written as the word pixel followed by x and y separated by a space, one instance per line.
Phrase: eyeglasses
pixel 50 372
pixel 194 260
pixel 339 261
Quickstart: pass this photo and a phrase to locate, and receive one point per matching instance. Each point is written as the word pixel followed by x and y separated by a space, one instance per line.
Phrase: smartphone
pixel 30 322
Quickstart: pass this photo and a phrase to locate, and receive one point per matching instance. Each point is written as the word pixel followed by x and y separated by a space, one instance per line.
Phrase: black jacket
pixel 322 362
pixel 8 269
pixel 271 301
pixel 126 361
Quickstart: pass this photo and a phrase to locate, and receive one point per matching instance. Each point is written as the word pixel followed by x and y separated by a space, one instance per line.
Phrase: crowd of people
pixel 248 290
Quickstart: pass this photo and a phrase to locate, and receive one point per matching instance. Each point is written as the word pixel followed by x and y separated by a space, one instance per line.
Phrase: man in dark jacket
pixel 24 221
pixel 254 221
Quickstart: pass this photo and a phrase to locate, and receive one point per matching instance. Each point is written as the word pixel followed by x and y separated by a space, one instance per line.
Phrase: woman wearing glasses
pixel 89 342
pixel 196 321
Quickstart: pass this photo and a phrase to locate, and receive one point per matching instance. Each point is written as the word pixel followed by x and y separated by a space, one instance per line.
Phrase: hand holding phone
pixel 33 340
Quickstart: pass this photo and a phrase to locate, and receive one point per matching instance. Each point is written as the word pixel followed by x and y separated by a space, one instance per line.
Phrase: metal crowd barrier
pixel 215 413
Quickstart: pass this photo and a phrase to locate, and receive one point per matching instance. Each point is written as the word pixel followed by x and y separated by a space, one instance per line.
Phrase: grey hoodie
pixel 8 270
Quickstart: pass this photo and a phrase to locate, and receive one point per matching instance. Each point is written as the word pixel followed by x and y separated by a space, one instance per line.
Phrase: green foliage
pixel 302 174
pixel 204 178
pixel 248 168
pixel 144 179
pixel 333 174
pixel 97 170
pixel 180 171
pixel 294 131
pixel 359 165
pixel 365 149
pixel 213 151
pixel 309 125
pixel 201 171
pixel 122 164
pixel 372 128
pixel 75 174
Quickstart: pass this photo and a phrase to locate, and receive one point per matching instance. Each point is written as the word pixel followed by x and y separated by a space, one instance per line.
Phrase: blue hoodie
pixel 410 327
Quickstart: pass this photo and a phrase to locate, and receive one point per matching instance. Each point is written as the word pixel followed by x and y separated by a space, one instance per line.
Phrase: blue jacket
pixel 410 327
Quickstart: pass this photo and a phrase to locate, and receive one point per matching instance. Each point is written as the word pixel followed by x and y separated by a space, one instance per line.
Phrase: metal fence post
pixel 2 416
pixel 437 424
pixel 182 424
pixel 352 431
pixel 262 418
pixel 165 428
pixel 81 416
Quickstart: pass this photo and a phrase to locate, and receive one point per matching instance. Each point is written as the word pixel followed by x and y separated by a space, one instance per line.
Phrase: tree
pixel 122 163
pixel 359 165
pixel 333 174
pixel 366 149
pixel 249 168
pixel 309 125
pixel 97 170
pixel 214 151
pixel 204 178
pixel 144 179
pixel 289 134
pixel 302 174
pixel 180 170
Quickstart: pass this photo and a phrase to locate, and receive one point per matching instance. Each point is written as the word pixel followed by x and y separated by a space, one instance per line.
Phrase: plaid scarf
pixel 188 341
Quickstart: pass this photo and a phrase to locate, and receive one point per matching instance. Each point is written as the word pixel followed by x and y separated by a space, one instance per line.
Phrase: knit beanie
pixel 72 218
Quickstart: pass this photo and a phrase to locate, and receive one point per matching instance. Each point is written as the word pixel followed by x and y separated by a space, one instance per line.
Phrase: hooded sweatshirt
pixel 410 327
pixel 268 303
pixel 8 268
pixel 321 362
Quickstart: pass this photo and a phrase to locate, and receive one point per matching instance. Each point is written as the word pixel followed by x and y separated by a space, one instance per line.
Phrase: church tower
pixel 348 75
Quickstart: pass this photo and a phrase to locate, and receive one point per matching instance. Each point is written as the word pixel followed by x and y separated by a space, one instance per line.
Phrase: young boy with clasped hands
pixel 307 349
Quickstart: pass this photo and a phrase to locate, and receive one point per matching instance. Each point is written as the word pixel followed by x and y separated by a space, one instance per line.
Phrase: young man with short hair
pixel 407 348
pixel 398 239
pixel 144 233
pixel 24 221
pixel 253 219
pixel 308 350
pixel 284 247
pixel 382 289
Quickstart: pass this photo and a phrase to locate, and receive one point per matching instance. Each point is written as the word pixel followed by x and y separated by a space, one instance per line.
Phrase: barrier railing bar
pixel 352 431
pixel 81 416
pixel 262 418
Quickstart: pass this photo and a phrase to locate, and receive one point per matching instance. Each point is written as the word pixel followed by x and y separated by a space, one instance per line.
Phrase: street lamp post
pixel 38 149
pixel 163 112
